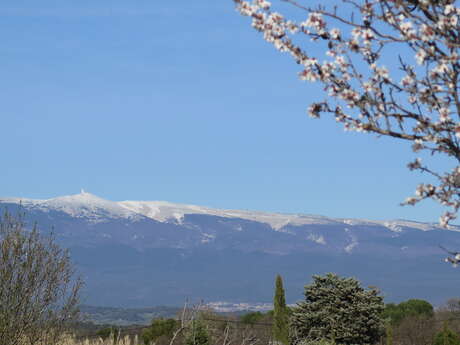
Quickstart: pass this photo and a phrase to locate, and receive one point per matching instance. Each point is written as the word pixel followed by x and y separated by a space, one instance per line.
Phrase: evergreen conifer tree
pixel 340 310
pixel 280 314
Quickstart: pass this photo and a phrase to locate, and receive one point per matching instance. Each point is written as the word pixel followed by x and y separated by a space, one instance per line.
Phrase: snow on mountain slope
pixel 83 205
pixel 163 211
pixel 96 209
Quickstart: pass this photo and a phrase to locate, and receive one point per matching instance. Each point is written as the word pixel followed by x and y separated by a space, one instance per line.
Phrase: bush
pixel 106 332
pixel 197 334
pixel 446 337
pixel 38 292
pixel 160 328
pixel 252 318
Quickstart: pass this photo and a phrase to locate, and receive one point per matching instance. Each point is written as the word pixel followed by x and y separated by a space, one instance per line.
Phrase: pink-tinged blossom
pixel 408 31
pixel 427 33
pixel 308 75
pixel 449 9
pixel 263 4
pixel 280 45
pixel 335 34
pixel 382 72
pixel 356 32
pixel 292 27
pixel 341 61
pixel 367 35
pixel 349 95
pixel 315 20
pixel 247 9
pixel 446 218
pixel 420 56
pixel 368 87
pixel 446 22
pixel 407 81
pixel 417 146
pixel 389 17
pixel 444 115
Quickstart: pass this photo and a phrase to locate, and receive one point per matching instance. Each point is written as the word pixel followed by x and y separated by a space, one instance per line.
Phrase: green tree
pixel 446 337
pixel 252 318
pixel 159 328
pixel 340 310
pixel 395 313
pixel 280 313
pixel 106 332
pixel 197 334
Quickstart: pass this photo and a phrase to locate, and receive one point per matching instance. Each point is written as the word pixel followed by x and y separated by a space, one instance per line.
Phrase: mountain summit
pixel 84 205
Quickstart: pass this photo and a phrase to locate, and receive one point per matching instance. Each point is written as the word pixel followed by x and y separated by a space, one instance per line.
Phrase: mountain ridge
pixel 140 253
pixel 164 211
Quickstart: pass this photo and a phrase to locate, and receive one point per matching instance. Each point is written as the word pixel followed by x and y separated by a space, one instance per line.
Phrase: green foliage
pixel 339 310
pixel 197 334
pixel 395 313
pixel 252 318
pixel 106 332
pixel 159 328
pixel 280 313
pixel 446 337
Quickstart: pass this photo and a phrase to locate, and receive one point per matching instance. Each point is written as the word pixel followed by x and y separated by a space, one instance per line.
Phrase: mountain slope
pixel 140 253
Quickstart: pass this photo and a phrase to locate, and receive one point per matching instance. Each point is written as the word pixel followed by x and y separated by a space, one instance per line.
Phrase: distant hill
pixel 141 253
pixel 126 316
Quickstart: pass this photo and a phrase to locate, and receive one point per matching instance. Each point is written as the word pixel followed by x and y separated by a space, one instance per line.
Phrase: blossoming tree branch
pixel 416 101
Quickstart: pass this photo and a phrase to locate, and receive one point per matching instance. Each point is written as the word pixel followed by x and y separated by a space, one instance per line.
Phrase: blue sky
pixel 179 101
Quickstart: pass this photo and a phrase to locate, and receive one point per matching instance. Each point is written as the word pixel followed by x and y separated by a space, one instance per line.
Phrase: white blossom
pixel 407 81
pixel 263 4
pixel 420 56
pixel 427 33
pixel 444 115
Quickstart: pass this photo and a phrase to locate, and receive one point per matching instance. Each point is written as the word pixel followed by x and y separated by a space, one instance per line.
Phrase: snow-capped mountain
pixel 149 252
pixel 92 207
pixel 166 211
pixel 83 205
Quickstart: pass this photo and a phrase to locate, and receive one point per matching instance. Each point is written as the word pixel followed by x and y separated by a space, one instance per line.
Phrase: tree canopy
pixel 395 313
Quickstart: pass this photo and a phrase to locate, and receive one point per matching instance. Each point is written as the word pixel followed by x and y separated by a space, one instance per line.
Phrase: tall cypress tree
pixel 280 315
